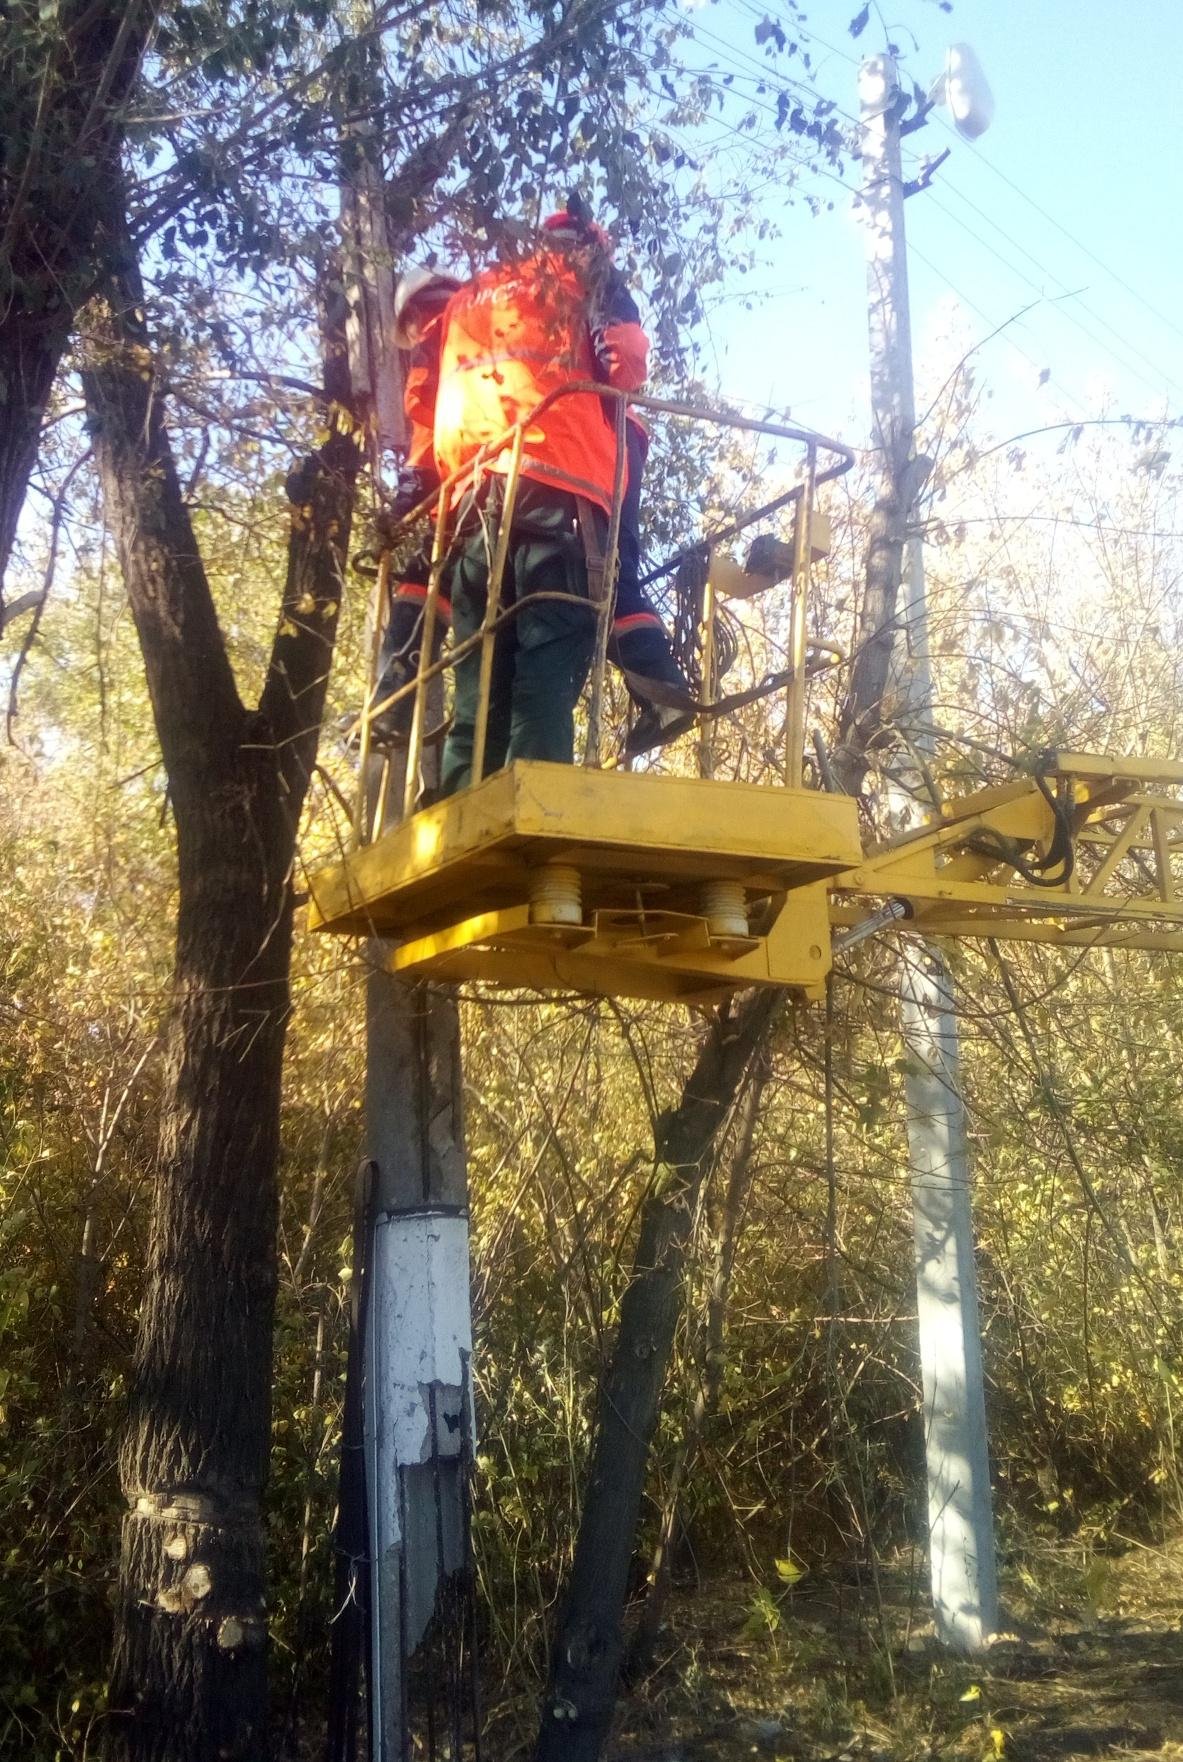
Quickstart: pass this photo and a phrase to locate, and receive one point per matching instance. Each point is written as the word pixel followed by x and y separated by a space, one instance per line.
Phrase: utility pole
pixel 960 1517
pixel 416 1334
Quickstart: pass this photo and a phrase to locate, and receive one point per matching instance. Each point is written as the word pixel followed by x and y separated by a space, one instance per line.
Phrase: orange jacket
pixel 419 395
pixel 515 334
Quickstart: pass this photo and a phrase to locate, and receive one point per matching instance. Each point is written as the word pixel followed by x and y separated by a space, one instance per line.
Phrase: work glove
pixel 413 484
pixel 409 491
pixel 622 354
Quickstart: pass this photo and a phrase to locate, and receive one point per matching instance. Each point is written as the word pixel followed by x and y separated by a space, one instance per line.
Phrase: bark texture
pixel 189 1672
pixel 588 1651
pixel 65 75
pixel 860 719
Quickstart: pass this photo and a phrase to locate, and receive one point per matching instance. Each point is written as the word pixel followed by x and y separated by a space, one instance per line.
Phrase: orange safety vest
pixel 419 394
pixel 512 336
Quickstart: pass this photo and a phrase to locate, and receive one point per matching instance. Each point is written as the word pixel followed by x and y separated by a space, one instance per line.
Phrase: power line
pixel 851 189
pixel 776 80
pixel 756 103
pixel 756 12
pixel 953 520
pixel 1156 384
pixel 996 328
pixel 766 74
pixel 1070 236
pixel 953 190
pixel 807 32
pixel 1092 255
pixel 804 31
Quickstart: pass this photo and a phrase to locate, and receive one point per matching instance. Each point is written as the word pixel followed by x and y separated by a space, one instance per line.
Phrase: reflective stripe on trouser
pixel 541 656
pixel 639 644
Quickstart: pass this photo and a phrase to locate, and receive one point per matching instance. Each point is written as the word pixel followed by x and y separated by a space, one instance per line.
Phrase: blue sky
pixel 1086 129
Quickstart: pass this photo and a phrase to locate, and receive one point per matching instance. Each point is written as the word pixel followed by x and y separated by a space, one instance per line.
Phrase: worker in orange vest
pixel 638 643
pixel 520 331
pixel 419 302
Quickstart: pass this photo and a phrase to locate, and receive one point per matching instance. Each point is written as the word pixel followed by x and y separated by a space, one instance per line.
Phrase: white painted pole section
pixel 419 1390
pixel 417 1399
pixel 960 1516
pixel 418 1343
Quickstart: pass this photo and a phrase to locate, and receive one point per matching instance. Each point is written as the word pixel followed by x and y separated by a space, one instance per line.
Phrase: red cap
pixel 564 221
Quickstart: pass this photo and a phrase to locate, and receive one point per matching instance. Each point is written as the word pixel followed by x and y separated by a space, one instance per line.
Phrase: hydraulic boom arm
pixel 1087 850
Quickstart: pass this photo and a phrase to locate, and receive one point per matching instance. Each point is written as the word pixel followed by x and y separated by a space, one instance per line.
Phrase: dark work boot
pixel 657 725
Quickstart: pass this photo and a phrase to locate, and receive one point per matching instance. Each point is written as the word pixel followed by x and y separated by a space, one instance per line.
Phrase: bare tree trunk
pixel 582 1691
pixel 190 1660
pixel 706 1402
pixel 189 1671
pixel 29 355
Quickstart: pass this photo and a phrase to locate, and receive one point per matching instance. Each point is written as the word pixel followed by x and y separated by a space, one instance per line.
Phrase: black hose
pixel 351 1593
pixel 1056 868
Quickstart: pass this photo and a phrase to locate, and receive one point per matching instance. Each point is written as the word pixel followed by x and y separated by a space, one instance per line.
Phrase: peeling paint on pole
pixel 418 1350
pixel 419 1428
pixel 422 1332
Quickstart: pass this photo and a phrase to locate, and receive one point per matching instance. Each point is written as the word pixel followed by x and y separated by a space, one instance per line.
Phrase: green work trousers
pixel 542 654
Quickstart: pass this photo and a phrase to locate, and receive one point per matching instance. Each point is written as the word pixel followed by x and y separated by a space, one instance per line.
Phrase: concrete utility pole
pixel 961 1530
pixel 419 1423
pixel 418 1352
pixel 418 1411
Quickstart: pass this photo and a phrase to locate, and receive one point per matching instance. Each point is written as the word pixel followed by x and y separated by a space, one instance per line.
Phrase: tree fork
pixel 585 1665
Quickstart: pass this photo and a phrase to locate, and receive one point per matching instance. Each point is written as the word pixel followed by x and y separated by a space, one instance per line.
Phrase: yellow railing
pixel 372 805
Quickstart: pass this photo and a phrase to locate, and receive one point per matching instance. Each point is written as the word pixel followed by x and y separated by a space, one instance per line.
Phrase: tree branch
pixel 17 608
pixel 195 700
pixel 321 492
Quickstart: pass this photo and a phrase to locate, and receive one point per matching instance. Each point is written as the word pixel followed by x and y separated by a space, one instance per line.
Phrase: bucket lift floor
pixel 453 884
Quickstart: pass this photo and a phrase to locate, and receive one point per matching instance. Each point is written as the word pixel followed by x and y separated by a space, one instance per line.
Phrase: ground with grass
pixel 843 1669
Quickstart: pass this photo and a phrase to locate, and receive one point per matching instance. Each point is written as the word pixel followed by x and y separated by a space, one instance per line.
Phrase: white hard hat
pixel 415 282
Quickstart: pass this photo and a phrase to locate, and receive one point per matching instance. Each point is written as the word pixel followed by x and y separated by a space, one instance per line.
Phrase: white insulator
pixel 724 908
pixel 555 895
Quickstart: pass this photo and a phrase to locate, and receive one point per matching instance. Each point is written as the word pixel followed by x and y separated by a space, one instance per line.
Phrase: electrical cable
pixel 786 81
pixel 786 84
pixel 811 35
pixel 689 590
pixel 350 1623
pixel 913 251
pixel 1070 236
pixel 996 328
pixel 1156 384
pixel 949 521
pixel 769 75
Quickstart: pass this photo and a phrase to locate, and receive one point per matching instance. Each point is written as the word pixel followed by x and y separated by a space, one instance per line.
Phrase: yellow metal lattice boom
pixel 1122 885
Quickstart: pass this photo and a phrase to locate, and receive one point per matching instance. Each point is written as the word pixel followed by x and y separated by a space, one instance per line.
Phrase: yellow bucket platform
pixel 627 884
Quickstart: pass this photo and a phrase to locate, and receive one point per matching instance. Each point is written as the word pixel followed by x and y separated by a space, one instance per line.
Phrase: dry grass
pixel 825 1673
